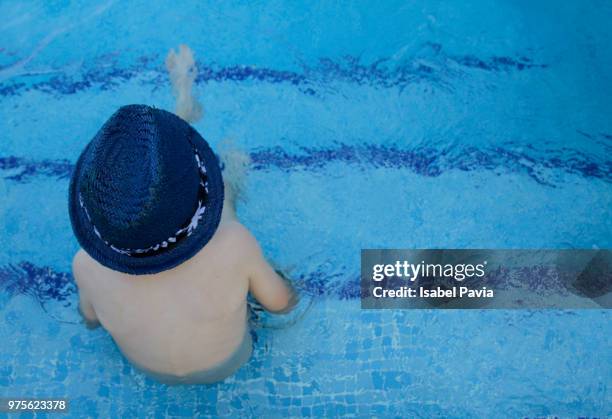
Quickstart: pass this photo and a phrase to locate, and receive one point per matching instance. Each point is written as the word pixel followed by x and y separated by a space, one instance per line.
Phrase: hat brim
pixel 160 261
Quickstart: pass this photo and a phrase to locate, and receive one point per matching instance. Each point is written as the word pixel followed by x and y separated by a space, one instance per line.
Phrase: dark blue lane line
pixel 22 169
pixel 423 161
pixel 44 284
pixel 432 162
pixel 40 282
pixel 433 67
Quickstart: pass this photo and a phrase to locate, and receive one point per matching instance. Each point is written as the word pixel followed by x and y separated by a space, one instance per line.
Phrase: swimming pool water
pixel 401 124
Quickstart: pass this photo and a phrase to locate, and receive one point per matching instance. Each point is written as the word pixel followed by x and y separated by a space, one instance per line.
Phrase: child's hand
pixel 89 323
pixel 294 297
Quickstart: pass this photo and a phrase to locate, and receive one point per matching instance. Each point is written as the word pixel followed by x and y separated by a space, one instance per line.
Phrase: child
pixel 166 267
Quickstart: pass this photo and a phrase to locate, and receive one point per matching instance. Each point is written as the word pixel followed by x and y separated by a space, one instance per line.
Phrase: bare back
pixel 188 318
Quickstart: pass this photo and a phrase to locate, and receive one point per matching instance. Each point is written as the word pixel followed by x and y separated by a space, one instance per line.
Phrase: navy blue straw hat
pixel 147 192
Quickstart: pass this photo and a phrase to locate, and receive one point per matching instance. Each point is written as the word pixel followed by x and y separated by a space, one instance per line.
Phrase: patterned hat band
pixel 182 232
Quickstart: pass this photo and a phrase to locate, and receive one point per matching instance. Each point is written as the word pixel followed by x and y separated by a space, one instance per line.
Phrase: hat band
pixel 181 233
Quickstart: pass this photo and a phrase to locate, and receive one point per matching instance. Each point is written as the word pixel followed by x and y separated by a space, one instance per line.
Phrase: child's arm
pixel 274 292
pixel 86 308
pixel 88 313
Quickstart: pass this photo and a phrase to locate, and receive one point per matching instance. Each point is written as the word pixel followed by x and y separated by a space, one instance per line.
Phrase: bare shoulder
pixel 82 264
pixel 236 234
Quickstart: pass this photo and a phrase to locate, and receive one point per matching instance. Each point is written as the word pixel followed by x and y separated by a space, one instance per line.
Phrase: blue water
pixel 369 124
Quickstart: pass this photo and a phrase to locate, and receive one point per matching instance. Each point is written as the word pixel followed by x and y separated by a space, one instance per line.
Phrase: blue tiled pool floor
pixel 389 363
